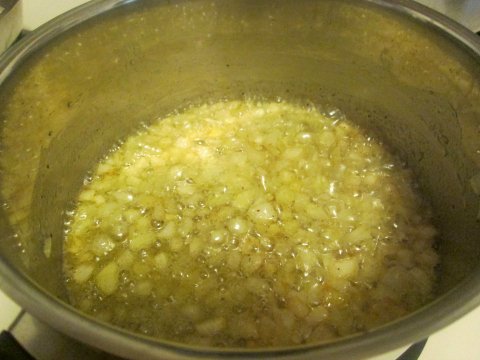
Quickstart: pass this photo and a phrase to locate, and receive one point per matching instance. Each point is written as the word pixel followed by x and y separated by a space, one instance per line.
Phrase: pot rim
pixel 68 320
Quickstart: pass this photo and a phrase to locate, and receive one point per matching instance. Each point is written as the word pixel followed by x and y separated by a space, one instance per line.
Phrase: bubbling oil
pixel 250 224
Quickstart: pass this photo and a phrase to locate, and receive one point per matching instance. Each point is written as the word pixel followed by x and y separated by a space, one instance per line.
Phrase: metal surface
pixel 44 343
pixel 10 22
pixel 466 12
pixel 404 72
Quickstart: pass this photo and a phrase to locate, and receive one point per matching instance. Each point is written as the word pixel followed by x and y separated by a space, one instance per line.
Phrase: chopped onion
pixel 249 223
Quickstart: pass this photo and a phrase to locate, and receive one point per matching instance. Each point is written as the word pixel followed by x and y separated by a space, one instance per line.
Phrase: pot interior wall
pixel 65 106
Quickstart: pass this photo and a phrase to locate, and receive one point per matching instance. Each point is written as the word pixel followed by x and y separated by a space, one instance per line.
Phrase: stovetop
pixel 459 341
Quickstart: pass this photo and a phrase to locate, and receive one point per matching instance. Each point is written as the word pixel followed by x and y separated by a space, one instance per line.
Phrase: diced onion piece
pixel 125 260
pixel 107 279
pixel 293 153
pixel 217 236
pixel 161 261
pixel 233 260
pixel 344 268
pixel 176 172
pixel 327 138
pixel 297 306
pixel 286 318
pixel 304 137
pixel 244 327
pixel 141 241
pixel 358 235
pixel 317 314
pixel 104 168
pixel 243 200
pixel 475 183
pixel 141 269
pixel 168 231
pixel 316 212
pixel 184 188
pixel 185 227
pixel 238 226
pixel 285 196
pixel 87 195
pixel 143 288
pixel 176 244
pixel 315 294
pixel 262 211
pixel 211 326
pixel 102 245
pixel 47 247
pixel 82 273
pixel 323 332
pixel 257 285
pixel 307 260
pixel 251 263
pixel 192 312
pixel 196 247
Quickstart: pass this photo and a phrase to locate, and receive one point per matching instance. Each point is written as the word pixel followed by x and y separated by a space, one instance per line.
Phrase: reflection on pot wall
pixel 466 12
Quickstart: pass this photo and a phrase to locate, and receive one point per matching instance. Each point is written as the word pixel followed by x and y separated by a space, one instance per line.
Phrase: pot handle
pixel 10 348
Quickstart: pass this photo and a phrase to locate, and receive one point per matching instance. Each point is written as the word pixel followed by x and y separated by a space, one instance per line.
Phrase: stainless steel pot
pixel 71 89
